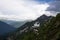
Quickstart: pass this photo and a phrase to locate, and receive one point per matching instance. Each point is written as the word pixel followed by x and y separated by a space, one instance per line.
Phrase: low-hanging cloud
pixel 21 9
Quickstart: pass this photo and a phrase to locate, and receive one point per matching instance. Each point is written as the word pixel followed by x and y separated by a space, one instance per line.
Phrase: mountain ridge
pixel 49 30
pixel 28 32
pixel 5 28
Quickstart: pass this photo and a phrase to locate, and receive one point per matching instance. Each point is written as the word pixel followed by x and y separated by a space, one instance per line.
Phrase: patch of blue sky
pixel 44 1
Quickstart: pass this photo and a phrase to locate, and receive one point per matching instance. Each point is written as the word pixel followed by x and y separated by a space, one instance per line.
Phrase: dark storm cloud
pixel 54 6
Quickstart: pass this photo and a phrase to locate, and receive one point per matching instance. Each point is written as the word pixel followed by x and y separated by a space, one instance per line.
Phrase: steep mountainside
pixel 49 30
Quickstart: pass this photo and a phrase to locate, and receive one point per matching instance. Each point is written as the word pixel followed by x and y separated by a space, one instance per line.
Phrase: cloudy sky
pixel 27 9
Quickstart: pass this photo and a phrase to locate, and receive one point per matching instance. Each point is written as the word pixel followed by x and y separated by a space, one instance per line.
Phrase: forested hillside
pixel 48 30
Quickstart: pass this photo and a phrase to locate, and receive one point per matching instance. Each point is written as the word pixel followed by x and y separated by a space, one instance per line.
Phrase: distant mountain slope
pixel 17 24
pixel 13 23
pixel 5 28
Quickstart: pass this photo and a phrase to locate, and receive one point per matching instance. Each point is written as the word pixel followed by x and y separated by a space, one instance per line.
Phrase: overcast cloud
pixel 22 9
